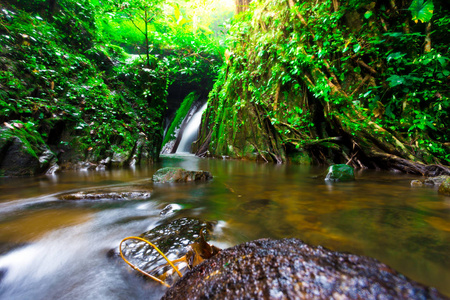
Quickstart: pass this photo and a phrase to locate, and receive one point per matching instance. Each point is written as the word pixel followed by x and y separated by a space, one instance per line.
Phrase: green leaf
pixel 395 80
pixel 368 14
pixel 421 11
pixel 395 55
pixel 356 48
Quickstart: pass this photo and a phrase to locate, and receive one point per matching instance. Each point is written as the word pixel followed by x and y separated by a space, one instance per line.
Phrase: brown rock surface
pixel 291 269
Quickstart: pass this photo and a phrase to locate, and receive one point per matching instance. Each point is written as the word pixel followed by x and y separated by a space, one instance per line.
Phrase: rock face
pixel 291 269
pixel 444 188
pixel 19 158
pixel 170 174
pixel 340 172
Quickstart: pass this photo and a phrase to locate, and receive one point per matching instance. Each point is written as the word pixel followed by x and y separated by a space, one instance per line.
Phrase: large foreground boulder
pixel 171 174
pixel 291 269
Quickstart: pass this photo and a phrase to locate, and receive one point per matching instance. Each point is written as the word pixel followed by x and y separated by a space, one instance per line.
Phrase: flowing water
pixel 58 249
pixel 190 133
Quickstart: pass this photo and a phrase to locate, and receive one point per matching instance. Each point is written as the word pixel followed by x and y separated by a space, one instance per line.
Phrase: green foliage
pixel 361 64
pixel 66 62
pixel 47 80
pixel 421 10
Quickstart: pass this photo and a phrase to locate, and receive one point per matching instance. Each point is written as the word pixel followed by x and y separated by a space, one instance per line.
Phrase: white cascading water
pixel 190 133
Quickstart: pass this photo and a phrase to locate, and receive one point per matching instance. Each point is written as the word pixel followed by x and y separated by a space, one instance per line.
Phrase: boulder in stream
pixel 444 188
pixel 116 193
pixel 291 269
pixel 340 172
pixel 436 180
pixel 172 174
pixel 172 237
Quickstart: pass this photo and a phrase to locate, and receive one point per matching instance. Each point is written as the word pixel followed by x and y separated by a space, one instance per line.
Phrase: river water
pixel 57 249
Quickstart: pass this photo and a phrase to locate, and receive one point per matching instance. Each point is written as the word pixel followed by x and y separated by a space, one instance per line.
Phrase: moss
pixel 179 116
pixel 31 139
pixel 301 158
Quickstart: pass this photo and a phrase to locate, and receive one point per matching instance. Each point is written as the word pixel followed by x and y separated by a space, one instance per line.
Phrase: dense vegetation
pixel 88 80
pixel 358 82
pixel 328 81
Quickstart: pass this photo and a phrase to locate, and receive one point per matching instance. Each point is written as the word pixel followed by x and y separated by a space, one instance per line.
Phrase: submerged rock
pixel 416 183
pixel 171 174
pixel 444 188
pixel 291 269
pixel 122 193
pixel 340 172
pixel 437 180
pixel 430 181
pixel 170 209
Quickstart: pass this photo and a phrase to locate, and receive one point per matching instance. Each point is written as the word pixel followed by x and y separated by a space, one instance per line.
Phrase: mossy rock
pixel 340 172
pixel 23 152
pixel 172 174
pixel 444 188
pixel 16 160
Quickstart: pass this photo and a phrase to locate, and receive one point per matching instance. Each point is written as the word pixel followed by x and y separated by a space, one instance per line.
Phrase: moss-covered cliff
pixel 354 82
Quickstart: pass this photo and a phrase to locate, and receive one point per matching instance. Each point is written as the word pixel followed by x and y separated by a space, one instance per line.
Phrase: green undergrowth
pixel 56 72
pixel 303 73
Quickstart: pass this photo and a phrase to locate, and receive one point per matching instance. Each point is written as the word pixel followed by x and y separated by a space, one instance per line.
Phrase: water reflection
pixel 379 215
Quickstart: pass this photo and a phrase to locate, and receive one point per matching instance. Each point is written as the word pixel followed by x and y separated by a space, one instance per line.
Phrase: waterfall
pixel 190 133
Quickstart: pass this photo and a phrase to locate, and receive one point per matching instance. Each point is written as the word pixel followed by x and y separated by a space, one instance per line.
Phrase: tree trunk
pixel 241 5
pixel 147 50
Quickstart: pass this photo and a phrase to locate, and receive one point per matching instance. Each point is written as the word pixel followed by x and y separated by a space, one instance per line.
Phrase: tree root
pixel 407 166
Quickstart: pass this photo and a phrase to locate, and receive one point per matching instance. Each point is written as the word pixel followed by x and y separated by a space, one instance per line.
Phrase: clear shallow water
pixel 53 249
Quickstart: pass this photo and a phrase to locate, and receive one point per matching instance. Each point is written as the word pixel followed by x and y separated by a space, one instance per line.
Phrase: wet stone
pixel 172 237
pixel 171 174
pixel 444 188
pixel 169 210
pixel 416 183
pixel 108 194
pixel 291 269
pixel 436 181
pixel 340 172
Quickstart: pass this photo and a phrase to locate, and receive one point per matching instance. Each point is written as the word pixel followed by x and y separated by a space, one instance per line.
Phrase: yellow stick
pixel 141 271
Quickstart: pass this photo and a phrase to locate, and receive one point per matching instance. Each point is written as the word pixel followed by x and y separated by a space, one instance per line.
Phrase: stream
pixel 58 249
